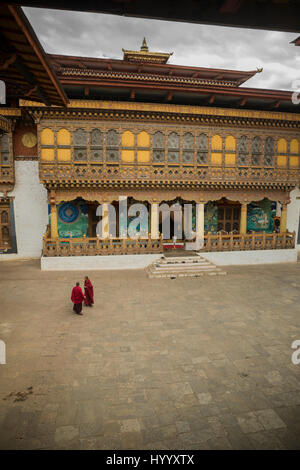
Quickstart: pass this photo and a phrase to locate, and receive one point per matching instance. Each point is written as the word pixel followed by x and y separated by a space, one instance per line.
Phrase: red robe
pixel 77 296
pixel 89 292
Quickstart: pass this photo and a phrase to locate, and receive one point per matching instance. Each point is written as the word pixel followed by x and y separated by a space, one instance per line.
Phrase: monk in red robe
pixel 77 298
pixel 89 292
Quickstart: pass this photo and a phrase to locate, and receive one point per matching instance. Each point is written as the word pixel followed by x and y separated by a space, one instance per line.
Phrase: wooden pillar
pixel 53 216
pixel 243 223
pixel 154 220
pixel 200 220
pixel 283 218
pixel 105 220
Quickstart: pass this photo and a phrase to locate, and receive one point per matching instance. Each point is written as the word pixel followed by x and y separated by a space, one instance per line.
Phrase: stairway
pixel 182 266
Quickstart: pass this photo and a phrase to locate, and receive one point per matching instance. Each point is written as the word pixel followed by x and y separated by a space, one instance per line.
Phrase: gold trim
pixel 171 108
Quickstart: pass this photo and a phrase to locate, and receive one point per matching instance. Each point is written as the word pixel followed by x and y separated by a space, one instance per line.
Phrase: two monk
pixel 78 297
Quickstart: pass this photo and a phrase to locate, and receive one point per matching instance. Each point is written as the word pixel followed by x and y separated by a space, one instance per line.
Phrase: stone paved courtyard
pixel 191 363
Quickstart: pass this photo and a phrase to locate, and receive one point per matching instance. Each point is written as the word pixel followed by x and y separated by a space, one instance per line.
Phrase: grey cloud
pixel 96 35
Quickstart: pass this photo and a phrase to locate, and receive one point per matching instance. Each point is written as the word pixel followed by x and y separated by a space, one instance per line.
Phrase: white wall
pixel 293 212
pixel 228 258
pixel 31 210
pixel 84 263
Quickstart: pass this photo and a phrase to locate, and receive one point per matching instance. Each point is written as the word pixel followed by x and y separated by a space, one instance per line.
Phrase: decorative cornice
pixel 161 117
pixel 88 73
pixel 87 108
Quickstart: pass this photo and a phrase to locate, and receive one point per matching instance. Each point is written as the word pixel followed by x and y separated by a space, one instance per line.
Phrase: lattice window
pixel 5 230
pixel 158 147
pixel 63 140
pixel 173 147
pixel 96 140
pixel 256 151
pixel 5 153
pixel 242 158
pixel 80 150
pixel 47 145
pixel 112 146
pixel 282 153
pixel 202 149
pixel 188 148
pixel 269 152
pixel 216 153
pixel 230 150
pixel 294 153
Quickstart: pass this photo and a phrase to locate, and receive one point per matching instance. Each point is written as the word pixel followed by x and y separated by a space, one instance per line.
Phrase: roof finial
pixel 144 46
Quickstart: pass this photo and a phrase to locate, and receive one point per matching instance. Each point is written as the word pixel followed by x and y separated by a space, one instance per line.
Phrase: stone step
pixel 191 274
pixel 184 268
pixel 173 267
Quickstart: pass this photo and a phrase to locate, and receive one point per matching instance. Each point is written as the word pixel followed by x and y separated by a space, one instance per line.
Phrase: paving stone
pixel 197 363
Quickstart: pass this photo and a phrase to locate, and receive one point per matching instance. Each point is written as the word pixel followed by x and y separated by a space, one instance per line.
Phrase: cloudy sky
pixel 97 35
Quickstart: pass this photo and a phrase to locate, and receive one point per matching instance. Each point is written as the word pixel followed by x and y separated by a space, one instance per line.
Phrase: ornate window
pixel 128 147
pixel 230 150
pixel 47 145
pixel 202 149
pixel 80 150
pixel 158 147
pixel 143 147
pixel 216 150
pixel 188 148
pixel 112 146
pixel 96 142
pixel 63 139
pixel 242 158
pixel 5 153
pixel 5 230
pixel 269 152
pixel 173 147
pixel 294 153
pixel 256 151
pixel 282 153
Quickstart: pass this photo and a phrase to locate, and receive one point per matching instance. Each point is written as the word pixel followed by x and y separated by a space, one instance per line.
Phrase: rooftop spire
pixel 144 46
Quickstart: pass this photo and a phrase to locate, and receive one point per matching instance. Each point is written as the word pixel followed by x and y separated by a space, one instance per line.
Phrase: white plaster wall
pixel 31 210
pixel 84 263
pixel 228 258
pixel 293 212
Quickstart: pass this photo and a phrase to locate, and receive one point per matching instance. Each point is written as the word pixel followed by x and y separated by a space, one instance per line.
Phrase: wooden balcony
pixel 97 247
pixel 251 241
pixel 87 246
pixel 158 175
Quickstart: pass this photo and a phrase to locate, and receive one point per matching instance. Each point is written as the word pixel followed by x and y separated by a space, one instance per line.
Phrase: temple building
pixel 78 132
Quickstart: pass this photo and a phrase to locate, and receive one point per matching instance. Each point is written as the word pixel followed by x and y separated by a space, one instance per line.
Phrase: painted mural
pixel 72 219
pixel 260 216
pixel 211 217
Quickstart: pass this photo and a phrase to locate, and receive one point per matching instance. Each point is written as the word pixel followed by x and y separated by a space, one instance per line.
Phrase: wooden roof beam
pixel 31 91
pixel 211 99
pixel 86 91
pixel 242 102
pixel 132 94
pixel 9 61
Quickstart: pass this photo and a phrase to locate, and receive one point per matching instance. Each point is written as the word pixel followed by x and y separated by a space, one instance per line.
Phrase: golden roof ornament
pixel 144 46
pixel 145 56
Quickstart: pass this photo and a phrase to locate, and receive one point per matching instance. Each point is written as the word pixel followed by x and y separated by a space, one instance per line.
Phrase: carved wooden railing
pixel 105 172
pixel 87 246
pixel 251 241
